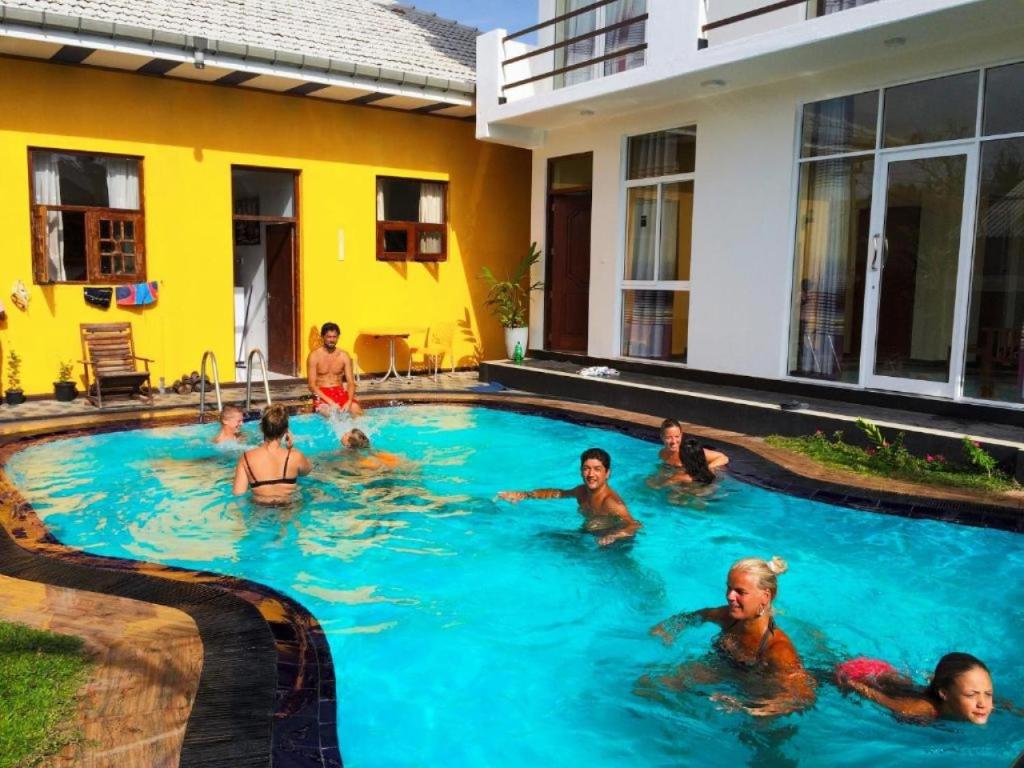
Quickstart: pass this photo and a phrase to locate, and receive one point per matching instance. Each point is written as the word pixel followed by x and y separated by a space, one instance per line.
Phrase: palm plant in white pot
pixel 508 300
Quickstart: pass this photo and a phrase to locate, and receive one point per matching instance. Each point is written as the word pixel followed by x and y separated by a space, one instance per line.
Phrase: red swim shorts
pixel 332 396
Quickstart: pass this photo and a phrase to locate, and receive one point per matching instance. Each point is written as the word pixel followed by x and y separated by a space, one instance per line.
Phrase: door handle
pixel 876 241
pixel 885 251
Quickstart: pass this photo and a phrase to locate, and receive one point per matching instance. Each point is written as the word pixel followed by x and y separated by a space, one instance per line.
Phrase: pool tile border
pixel 285 705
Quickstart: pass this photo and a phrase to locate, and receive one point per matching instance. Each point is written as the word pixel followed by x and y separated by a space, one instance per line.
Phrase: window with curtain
pixel 659 224
pixel 87 218
pixel 411 219
pixel 623 38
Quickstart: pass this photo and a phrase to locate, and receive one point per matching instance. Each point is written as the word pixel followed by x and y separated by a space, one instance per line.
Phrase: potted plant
pixel 507 300
pixel 14 394
pixel 64 388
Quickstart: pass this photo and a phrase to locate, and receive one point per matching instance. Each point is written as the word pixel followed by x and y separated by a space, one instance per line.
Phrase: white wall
pixel 744 208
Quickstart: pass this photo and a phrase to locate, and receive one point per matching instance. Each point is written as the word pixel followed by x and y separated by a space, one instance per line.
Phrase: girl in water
pixel 271 470
pixel 960 689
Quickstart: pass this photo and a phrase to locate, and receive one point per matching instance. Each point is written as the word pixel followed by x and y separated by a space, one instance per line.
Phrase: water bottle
pixel 517 355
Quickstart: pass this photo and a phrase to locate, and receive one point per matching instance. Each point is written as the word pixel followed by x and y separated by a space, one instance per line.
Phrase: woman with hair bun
pixel 960 689
pixel 750 639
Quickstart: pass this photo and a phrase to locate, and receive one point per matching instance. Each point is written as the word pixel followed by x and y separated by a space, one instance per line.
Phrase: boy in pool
pixel 603 510
pixel 231 418
pixel 356 439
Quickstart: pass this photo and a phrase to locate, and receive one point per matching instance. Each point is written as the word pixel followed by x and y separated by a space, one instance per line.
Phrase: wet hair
pixel 766 571
pixel 949 668
pixel 230 410
pixel 358 439
pixel 668 424
pixel 328 327
pixel 695 462
pixel 274 422
pixel 596 453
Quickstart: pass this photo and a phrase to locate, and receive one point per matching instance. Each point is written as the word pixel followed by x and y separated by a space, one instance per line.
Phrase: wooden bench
pixel 108 352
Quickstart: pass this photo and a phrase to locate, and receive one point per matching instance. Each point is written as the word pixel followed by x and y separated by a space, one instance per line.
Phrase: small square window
pixel 412 217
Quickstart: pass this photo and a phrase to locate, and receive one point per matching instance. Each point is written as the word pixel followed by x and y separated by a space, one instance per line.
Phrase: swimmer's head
pixel 695 462
pixel 962 687
pixel 355 438
pixel 329 333
pixel 599 454
pixel 595 466
pixel 274 423
pixel 765 572
pixel 232 416
pixel 671 434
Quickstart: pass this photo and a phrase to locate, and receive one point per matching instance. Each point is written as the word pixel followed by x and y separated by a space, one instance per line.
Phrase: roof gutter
pixel 45 26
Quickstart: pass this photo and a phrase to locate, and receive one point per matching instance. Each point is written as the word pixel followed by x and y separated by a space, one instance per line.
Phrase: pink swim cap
pixel 862 668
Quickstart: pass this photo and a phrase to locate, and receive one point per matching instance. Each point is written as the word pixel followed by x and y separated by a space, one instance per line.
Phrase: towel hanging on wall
pixel 137 295
pixel 98 297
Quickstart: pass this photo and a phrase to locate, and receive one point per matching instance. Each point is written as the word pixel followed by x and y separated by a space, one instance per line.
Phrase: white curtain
pixel 122 183
pixel 431 212
pixel 657 154
pixel 624 37
pixel 46 184
pixel 575 52
pixel 381 209
pixel 648 324
pixel 640 247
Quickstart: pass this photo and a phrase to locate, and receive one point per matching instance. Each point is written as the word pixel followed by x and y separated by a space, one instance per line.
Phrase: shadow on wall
pixel 467 337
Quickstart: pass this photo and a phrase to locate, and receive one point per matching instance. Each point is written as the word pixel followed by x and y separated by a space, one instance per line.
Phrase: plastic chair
pixel 437 343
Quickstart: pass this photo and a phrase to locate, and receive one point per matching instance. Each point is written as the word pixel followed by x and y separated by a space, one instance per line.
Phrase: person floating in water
pixel 750 639
pixel 672 441
pixel 231 418
pixel 695 469
pixel 326 368
pixel 960 688
pixel 272 469
pixel 604 512
pixel 356 440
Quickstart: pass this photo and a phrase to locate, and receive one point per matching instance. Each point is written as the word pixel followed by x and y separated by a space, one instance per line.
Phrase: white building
pixel 829 191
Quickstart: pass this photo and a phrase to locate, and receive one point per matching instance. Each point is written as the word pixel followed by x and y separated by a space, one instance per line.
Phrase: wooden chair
pixel 109 351
pixel 436 344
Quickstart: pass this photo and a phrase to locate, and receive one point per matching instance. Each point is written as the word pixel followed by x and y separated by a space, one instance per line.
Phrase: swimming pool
pixel 466 631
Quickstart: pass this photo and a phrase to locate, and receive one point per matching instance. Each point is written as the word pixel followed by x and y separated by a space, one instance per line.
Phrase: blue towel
pixel 98 297
pixel 137 295
pixel 491 386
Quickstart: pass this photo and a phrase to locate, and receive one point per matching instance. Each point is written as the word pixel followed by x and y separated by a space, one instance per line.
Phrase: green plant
pixel 507 298
pixel 978 457
pixel 66 367
pixel 13 370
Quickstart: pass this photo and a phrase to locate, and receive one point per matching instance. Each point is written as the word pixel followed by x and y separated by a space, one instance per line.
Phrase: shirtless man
pixel 672 438
pixel 603 511
pixel 325 369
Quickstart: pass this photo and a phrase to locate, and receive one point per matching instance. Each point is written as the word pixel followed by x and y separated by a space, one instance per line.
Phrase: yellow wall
pixel 189 136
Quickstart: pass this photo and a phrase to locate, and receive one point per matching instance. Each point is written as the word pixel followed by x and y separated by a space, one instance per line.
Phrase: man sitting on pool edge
pixel 604 512
pixel 326 367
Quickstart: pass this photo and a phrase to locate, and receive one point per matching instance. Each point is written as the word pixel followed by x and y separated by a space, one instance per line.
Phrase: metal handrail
pixel 622 53
pixel 557 19
pixel 248 377
pixel 777 6
pixel 578 38
pixel 208 355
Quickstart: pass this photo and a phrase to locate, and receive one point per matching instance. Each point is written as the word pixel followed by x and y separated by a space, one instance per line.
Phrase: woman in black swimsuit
pixel 750 639
pixel 271 470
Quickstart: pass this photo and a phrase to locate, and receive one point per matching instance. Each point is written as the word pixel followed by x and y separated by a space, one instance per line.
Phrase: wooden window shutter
pixel 40 262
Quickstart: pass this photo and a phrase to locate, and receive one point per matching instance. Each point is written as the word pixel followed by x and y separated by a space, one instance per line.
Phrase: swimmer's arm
pixel 672 626
pixel 716 459
pixel 539 493
pixel 907 706
pixel 630 525
pixel 796 687
pixel 305 466
pixel 241 484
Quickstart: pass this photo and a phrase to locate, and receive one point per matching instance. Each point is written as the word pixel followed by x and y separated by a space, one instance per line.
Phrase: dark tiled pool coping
pixel 267 687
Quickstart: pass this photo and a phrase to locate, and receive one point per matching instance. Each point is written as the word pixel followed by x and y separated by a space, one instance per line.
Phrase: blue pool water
pixel 467 631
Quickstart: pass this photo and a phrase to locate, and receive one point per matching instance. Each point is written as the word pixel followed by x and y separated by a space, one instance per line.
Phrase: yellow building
pixel 263 190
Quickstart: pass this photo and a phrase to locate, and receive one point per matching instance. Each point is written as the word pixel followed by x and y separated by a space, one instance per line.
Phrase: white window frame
pixel 622 284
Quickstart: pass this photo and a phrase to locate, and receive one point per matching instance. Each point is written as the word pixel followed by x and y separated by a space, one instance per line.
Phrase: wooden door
pixel 568 293
pixel 281 304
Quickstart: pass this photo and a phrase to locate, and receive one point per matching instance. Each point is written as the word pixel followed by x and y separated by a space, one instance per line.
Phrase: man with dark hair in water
pixel 326 368
pixel 604 512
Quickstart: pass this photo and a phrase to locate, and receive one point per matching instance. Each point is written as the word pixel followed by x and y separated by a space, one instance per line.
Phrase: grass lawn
pixel 39 675
pixel 894 461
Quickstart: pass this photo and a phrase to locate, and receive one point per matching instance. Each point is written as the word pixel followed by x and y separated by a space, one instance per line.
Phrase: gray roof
pixel 376 33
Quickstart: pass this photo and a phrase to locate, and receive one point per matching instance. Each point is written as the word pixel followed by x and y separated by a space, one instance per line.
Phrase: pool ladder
pixel 248 377
pixel 208 355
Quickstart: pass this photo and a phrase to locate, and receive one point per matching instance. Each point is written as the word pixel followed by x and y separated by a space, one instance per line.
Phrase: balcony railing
pixel 756 15
pixel 616 43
